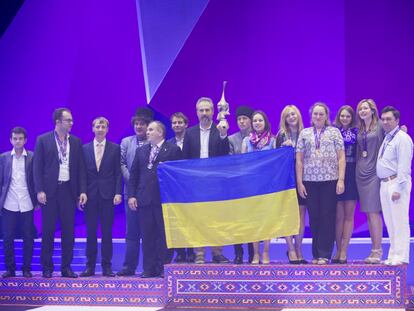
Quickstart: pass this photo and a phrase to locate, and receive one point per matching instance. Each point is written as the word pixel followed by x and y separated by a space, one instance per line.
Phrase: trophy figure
pixel 223 109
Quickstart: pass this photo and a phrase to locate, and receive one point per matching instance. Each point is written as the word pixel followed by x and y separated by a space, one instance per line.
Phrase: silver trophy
pixel 223 109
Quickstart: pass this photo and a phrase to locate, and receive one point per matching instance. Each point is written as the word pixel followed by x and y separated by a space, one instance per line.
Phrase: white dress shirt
pixel 64 174
pixel 204 140
pixel 18 197
pixel 396 158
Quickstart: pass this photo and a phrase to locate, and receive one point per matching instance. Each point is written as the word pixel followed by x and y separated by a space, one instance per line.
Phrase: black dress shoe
pixel 8 274
pixel 303 261
pixel 342 261
pixel 87 272
pixel 238 260
pixel 108 272
pixel 47 274
pixel 125 272
pixel 191 258
pixel 27 274
pixel 68 273
pixel 334 260
pixel 146 275
pixel 180 258
pixel 220 259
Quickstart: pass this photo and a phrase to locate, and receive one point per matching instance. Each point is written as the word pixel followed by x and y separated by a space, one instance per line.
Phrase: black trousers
pixel 62 206
pixel 10 221
pixel 238 250
pixel 155 252
pixel 132 238
pixel 321 203
pixel 99 209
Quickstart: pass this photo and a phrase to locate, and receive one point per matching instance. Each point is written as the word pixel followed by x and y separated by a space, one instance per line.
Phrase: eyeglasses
pixel 67 120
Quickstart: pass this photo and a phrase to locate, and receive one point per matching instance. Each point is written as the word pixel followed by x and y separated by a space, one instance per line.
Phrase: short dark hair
pixel 18 130
pixel 57 114
pixel 140 118
pixel 179 115
pixel 161 126
pixel 395 112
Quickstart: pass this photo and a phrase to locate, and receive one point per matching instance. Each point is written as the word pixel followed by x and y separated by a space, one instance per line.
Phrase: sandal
pixel 374 257
pixel 323 261
pixel 256 259
pixel 265 258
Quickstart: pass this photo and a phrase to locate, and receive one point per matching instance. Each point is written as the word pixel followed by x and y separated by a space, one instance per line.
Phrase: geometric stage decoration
pixel 164 26
pixel 225 286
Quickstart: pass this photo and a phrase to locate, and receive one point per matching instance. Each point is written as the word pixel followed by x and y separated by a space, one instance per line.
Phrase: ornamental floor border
pixel 225 286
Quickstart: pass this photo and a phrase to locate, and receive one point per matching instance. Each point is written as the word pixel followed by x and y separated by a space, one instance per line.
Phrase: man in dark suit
pixel 60 183
pixel 206 140
pixel 104 188
pixel 17 200
pixel 144 194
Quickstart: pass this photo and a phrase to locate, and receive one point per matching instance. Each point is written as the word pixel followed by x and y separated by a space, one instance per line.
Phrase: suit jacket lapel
pixel 54 145
pixel 105 153
pixel 162 152
pixel 9 164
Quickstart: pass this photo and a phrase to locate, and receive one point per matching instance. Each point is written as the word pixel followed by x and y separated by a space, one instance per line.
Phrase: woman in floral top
pixel 259 139
pixel 345 208
pixel 320 173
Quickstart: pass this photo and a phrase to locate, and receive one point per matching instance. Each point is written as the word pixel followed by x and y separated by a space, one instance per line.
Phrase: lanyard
pixel 387 141
pixel 318 138
pixel 63 147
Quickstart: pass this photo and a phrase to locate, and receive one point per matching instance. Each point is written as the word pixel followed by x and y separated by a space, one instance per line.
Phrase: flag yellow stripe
pixel 229 222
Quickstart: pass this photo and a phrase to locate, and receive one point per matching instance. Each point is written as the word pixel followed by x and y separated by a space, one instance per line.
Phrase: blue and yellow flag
pixel 229 200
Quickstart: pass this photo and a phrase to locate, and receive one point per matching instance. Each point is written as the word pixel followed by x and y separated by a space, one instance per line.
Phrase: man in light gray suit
pixel 17 201
pixel 244 122
pixel 129 145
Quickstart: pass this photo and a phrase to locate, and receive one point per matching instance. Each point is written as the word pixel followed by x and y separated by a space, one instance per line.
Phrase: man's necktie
pixel 99 155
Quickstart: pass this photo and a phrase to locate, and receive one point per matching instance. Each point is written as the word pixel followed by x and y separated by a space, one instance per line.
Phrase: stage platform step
pixel 225 286
pixel 286 286
pixel 93 291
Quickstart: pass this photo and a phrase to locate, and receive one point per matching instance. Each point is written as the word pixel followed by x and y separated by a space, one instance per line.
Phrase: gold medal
pixel 364 154
pixel 318 152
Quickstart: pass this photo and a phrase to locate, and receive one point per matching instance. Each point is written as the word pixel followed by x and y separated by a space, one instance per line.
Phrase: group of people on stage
pixel 363 156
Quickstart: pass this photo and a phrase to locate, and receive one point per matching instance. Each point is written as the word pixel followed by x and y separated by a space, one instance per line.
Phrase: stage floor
pixel 358 250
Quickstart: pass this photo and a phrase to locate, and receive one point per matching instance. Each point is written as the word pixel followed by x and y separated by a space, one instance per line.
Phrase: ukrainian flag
pixel 229 200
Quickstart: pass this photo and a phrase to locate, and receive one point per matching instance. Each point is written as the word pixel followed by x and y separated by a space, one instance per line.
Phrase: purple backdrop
pixel 86 55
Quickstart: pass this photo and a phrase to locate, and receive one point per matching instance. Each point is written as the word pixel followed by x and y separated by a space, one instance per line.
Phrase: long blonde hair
pixel 283 126
pixel 374 110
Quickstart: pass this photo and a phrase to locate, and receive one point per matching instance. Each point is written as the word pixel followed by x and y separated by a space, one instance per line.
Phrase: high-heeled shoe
pixel 292 262
pixel 374 257
pixel 256 259
pixel 265 258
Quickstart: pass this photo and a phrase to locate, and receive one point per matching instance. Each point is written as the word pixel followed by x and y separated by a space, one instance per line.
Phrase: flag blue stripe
pixel 227 177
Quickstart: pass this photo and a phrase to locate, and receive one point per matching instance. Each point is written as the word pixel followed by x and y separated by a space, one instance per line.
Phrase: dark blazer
pixel 172 140
pixel 6 162
pixel 108 181
pixel 143 182
pixel 46 166
pixel 216 145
